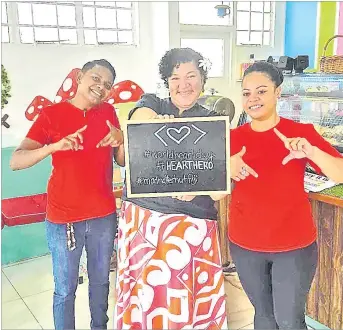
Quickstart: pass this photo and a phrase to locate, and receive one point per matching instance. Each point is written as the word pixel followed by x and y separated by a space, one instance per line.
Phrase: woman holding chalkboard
pixel 271 230
pixel 169 267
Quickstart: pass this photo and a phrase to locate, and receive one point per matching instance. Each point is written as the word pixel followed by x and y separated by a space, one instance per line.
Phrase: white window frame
pixel 211 35
pixel 208 25
pixel 56 26
pixel 132 9
pixel 225 32
pixel 271 30
pixel 14 32
pixel 6 24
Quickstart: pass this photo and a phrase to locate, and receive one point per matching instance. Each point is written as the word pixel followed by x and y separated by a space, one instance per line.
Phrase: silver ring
pixel 243 170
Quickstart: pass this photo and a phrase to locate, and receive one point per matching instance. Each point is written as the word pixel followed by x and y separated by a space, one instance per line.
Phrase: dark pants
pixel 97 235
pixel 277 284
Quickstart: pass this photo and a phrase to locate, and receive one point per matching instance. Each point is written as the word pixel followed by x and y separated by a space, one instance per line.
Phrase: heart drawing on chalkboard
pixel 178 134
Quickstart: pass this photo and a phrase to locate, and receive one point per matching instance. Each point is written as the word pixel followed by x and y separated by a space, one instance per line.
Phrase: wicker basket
pixel 331 64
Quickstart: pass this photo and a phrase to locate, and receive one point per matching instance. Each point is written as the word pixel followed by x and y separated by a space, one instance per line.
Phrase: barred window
pixel 107 22
pixel 71 22
pixel 47 22
pixel 254 23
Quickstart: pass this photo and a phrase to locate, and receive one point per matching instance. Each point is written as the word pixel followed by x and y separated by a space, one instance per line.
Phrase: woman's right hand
pixel 239 169
pixel 71 142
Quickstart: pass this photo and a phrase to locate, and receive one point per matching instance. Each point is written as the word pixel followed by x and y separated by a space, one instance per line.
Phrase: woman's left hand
pixel 114 138
pixel 185 198
pixel 164 117
pixel 298 147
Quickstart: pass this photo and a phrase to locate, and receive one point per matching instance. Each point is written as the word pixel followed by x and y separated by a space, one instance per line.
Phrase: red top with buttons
pixel 272 213
pixel 80 185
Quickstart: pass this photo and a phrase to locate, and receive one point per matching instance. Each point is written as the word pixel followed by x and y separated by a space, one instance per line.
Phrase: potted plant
pixel 5 94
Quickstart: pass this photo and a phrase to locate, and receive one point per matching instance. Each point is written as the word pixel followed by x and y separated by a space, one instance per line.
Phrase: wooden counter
pixel 325 301
pixel 223 216
pixel 326 199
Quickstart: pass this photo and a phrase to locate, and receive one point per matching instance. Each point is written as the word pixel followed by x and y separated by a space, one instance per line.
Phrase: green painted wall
pixel 326 27
pixel 26 241
pixel 23 242
pixel 24 182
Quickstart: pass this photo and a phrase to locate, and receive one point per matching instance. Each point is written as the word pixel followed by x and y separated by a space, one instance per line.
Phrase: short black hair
pixel 274 73
pixel 174 57
pixel 106 64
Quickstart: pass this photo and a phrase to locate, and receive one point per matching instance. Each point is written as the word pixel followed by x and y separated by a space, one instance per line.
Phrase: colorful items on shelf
pixel 314 85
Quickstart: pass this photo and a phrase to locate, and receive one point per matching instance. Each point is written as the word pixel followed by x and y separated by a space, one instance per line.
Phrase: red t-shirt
pixel 80 185
pixel 272 213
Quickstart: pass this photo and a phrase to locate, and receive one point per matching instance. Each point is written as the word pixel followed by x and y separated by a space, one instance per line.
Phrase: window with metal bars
pixel 107 22
pixel 87 22
pixel 254 23
pixel 47 22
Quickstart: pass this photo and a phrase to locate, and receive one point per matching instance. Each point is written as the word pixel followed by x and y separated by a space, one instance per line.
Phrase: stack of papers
pixel 315 183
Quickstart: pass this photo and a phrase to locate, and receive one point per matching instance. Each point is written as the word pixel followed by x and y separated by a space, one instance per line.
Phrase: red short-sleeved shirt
pixel 80 185
pixel 272 213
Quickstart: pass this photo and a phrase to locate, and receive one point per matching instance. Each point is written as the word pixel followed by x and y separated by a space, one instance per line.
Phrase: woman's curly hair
pixel 174 57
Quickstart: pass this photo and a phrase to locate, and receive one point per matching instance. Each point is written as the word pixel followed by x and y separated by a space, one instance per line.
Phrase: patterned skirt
pixel 169 272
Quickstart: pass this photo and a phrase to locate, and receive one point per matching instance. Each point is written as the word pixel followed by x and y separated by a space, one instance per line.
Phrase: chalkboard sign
pixel 169 157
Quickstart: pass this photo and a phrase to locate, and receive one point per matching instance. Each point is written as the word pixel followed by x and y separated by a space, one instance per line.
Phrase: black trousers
pixel 277 284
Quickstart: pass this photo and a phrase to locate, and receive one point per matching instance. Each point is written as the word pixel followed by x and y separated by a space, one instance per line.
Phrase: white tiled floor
pixel 27 290
pixel 31 277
